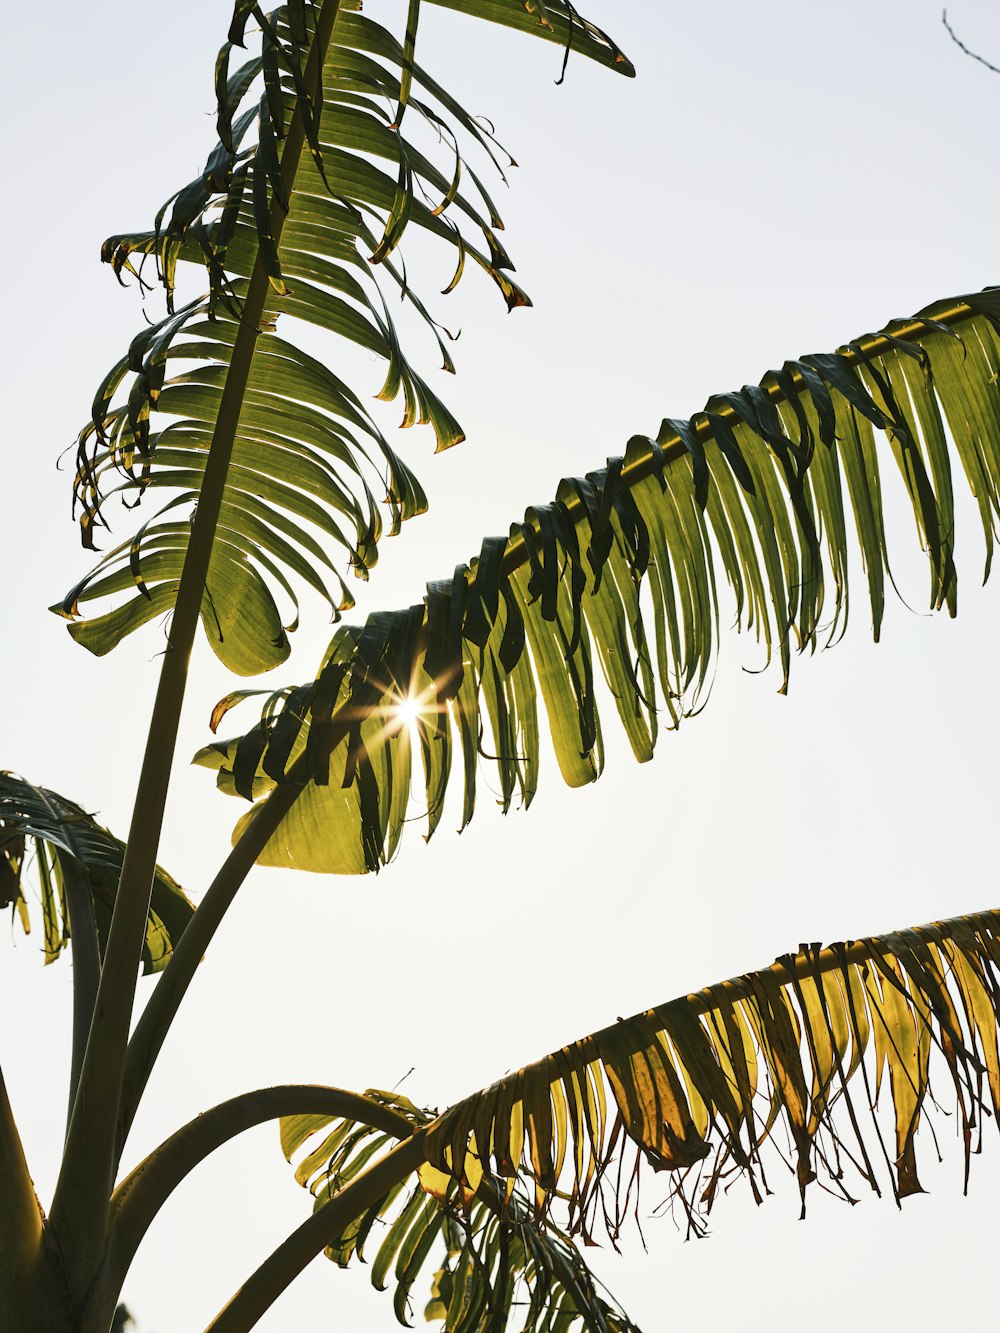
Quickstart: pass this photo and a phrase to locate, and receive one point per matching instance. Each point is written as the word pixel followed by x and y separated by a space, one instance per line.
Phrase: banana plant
pixel 230 420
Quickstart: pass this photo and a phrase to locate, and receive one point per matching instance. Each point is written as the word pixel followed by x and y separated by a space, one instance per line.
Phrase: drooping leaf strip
pixel 762 488
pixel 44 837
pixel 556 22
pixel 307 455
pixel 493 1265
pixel 820 1065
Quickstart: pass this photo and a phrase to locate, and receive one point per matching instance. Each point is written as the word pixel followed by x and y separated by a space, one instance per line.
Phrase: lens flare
pixel 408 710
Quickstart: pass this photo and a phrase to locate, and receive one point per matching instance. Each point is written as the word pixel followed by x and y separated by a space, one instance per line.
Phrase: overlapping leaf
pixel 492 1264
pixel 820 1065
pixel 44 839
pixel 308 460
pixel 769 489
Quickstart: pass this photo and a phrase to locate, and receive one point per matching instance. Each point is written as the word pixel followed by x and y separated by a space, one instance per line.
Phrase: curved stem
pixel 283 1266
pixel 83 1191
pixel 171 987
pixel 143 1193
pixel 172 984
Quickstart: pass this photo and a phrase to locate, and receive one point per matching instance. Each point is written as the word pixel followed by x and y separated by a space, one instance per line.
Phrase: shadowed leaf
pixel 44 838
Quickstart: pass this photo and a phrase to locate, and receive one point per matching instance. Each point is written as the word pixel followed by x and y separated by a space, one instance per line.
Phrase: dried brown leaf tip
pixel 821 1065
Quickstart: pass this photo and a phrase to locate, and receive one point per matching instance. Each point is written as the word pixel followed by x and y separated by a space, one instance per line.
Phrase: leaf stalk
pixel 86 966
pixel 143 1193
pixel 83 1192
pixel 284 1264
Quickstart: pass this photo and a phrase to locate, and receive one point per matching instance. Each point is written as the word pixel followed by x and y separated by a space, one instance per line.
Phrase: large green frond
pixel 309 463
pixel 43 839
pixel 770 489
pixel 483 1259
pixel 819 1066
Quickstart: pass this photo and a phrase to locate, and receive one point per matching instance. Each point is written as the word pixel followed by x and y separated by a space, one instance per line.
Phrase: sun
pixel 408 710
pixel 414 710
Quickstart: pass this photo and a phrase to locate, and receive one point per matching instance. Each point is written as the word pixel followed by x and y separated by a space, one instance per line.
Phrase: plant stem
pixel 33 1294
pixel 647 461
pixel 814 963
pixel 283 1266
pixel 83 1192
pixel 86 965
pixel 171 987
pixel 172 984
pixel 141 1195
pixel 20 1213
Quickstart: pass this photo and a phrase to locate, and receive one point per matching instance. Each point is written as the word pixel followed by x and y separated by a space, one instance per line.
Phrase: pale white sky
pixel 780 177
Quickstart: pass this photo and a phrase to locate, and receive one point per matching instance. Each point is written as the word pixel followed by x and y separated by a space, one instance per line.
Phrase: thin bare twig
pixel 961 45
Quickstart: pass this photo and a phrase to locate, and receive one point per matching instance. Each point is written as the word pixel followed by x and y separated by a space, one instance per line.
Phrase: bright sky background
pixel 779 178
